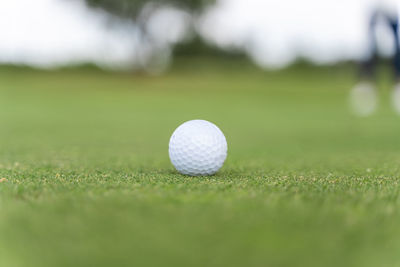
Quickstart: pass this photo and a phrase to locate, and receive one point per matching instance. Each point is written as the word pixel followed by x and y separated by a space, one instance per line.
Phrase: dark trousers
pixel 368 66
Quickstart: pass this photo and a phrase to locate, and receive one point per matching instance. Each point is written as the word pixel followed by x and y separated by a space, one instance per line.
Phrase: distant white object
pixel 198 147
pixel 396 98
pixel 363 99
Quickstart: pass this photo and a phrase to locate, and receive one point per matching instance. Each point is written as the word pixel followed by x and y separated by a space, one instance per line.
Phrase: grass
pixel 88 180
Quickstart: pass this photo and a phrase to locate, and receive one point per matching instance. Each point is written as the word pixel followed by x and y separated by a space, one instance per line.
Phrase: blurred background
pixel 145 34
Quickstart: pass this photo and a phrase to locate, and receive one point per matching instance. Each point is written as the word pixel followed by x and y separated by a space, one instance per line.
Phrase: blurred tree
pixel 132 9
pixel 140 13
pixel 198 46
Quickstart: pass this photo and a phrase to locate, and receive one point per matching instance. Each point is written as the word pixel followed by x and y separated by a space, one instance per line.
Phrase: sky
pixel 48 33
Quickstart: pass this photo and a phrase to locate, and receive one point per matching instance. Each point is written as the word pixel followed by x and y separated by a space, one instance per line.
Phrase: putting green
pixel 87 179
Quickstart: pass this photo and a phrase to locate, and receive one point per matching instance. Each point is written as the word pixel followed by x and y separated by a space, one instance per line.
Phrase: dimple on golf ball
pixel 198 147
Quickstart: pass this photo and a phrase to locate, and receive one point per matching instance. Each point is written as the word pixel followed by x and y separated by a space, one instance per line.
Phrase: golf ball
pixel 197 147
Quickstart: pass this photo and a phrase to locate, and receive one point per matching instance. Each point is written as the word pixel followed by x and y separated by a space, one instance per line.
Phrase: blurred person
pixel 363 96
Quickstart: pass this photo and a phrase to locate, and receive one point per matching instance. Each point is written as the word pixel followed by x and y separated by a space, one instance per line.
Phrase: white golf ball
pixel 197 147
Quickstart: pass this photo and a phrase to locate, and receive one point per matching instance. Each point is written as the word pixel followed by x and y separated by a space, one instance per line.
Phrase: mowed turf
pixel 88 182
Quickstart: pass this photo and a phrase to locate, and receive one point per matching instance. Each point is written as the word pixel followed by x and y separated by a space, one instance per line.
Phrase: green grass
pixel 89 182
